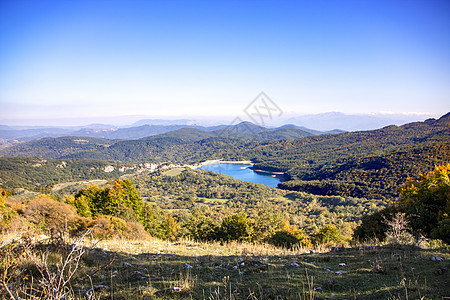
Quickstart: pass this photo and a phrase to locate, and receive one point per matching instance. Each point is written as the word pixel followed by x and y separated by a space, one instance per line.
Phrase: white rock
pixel 295 264
pixel 437 258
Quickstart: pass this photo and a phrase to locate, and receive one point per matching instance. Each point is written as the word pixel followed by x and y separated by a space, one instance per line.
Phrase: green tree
pixel 200 227
pixel 328 234
pixel 237 227
pixel 267 222
pixel 170 227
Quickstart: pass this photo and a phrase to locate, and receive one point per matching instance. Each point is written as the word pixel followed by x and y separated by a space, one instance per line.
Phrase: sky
pixel 93 59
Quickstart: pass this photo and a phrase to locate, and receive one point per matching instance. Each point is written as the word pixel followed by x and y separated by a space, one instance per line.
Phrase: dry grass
pixel 155 269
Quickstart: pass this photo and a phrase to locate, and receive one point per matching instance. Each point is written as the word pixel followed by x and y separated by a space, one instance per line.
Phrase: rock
pixel 338 273
pixel 89 293
pixel 342 265
pixel 318 288
pixel 333 295
pixel 335 249
pixel 437 258
pixel 235 267
pixel 187 266
pixel 101 287
pixel 127 265
pixel 240 260
pixel 312 251
pixel 328 270
pixel 295 264
pixel 176 289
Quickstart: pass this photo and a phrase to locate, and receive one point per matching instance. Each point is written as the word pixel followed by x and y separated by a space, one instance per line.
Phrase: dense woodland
pixel 206 206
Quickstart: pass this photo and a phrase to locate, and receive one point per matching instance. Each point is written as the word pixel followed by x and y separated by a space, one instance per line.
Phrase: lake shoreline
pixel 218 161
pixel 234 168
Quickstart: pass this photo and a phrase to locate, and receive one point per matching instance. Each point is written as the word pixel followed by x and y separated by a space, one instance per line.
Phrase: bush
pixel 442 231
pixel 283 239
pixel 328 234
pixel 235 228
pixel 170 227
pixel 6 213
pixel 397 232
pixel 52 217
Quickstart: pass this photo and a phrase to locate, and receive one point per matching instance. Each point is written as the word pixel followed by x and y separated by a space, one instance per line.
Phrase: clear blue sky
pixel 106 58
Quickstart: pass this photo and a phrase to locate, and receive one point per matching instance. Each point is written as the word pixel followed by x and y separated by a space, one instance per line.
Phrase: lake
pixel 243 172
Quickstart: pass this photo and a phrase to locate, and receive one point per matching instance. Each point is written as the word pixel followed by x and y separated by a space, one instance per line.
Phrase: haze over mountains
pixel 245 130
pixel 332 122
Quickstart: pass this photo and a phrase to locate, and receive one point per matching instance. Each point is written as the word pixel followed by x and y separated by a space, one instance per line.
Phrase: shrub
pixel 170 227
pixel 283 239
pixel 52 217
pixel 6 213
pixel 397 232
pixel 328 234
pixel 442 231
pixel 235 228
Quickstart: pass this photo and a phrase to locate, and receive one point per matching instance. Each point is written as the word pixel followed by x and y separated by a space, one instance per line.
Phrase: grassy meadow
pixel 156 269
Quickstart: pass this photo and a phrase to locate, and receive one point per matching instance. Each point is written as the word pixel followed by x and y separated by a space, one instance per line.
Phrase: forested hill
pixel 362 164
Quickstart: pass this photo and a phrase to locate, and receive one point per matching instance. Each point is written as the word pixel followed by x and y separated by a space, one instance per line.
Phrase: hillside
pixel 37 174
pixel 361 164
pixel 358 164
pixel 376 176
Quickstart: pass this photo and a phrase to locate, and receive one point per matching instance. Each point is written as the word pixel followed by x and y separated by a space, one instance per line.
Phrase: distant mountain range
pixel 244 130
pixel 355 122
pixel 313 123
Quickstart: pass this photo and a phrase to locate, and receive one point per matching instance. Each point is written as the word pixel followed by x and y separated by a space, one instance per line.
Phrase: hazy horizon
pixel 321 121
pixel 63 61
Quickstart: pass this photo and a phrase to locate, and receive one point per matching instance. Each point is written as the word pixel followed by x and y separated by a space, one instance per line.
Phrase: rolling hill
pixel 362 164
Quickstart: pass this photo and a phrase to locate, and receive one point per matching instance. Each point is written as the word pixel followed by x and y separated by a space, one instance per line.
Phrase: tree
pixel 171 227
pixel 200 227
pixel 289 236
pixel 328 234
pixel 237 227
pixel 267 222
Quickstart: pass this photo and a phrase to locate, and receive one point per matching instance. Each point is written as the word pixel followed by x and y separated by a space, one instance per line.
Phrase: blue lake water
pixel 244 173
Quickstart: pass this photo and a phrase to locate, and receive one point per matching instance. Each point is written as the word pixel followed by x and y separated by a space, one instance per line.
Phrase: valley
pixel 168 191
